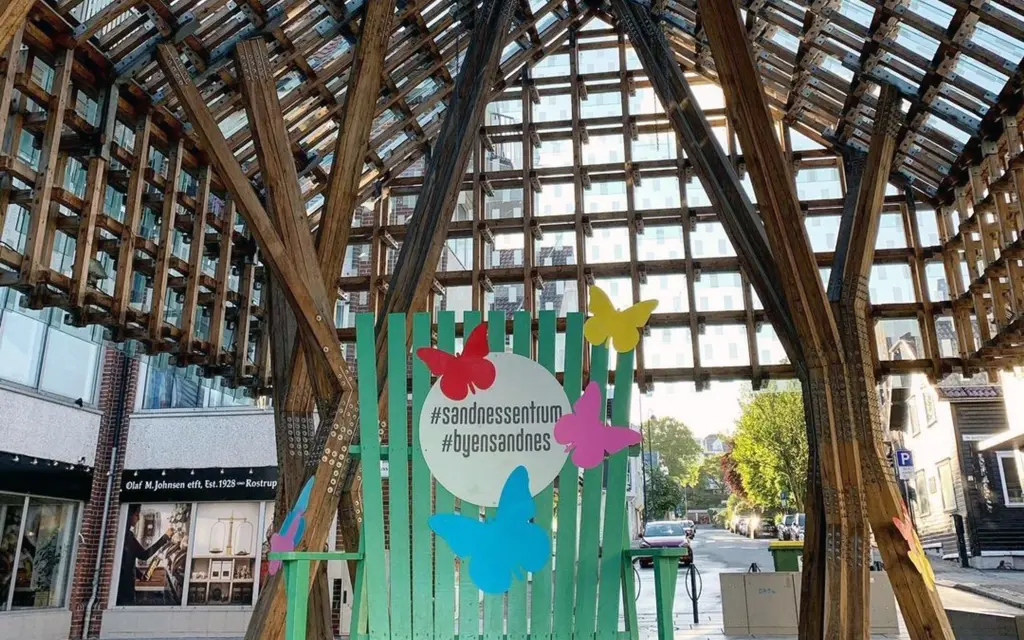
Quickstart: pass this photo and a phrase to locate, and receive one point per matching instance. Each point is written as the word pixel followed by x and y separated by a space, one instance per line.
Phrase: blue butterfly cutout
pixel 298 511
pixel 506 546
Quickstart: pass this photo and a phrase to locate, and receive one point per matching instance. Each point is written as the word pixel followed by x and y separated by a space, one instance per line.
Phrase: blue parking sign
pixel 904 464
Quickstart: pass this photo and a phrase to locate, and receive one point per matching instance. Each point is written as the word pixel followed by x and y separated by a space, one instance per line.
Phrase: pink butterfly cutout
pixel 584 433
pixel 292 528
pixel 286 542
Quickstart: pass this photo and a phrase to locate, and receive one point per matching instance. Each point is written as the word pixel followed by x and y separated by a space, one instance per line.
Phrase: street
pixel 717 551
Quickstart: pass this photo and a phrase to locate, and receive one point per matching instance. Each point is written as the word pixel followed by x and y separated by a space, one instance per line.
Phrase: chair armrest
pixel 657 552
pixel 314 555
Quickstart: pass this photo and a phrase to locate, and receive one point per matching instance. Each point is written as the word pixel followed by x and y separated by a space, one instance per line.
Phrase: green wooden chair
pixel 416 590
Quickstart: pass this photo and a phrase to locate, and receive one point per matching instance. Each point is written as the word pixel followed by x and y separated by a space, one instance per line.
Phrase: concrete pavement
pixel 716 552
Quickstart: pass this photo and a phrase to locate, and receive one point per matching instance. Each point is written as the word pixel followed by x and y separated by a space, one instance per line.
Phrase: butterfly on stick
pixel 585 434
pixel 292 528
pixel 505 547
pixel 607 323
pixel 465 373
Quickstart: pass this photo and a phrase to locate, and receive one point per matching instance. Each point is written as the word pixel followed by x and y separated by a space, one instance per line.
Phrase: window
pixel 1013 493
pixel 924 506
pixel 929 408
pixel 194 554
pixel 165 386
pixel 36 543
pixel 915 427
pixel 946 486
pixel 224 554
pixel 39 351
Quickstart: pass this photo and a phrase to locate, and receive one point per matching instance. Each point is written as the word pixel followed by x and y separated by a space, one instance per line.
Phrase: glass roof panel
pixel 934 11
pixel 786 40
pixel 857 11
pixel 1003 45
pixel 944 127
pixel 916 41
pixel 982 75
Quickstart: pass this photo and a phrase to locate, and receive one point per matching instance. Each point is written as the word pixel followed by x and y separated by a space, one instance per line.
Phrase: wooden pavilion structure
pixel 228 181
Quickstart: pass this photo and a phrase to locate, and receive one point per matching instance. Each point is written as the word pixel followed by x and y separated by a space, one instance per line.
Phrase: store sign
pixel 473 442
pixel 42 477
pixel 199 485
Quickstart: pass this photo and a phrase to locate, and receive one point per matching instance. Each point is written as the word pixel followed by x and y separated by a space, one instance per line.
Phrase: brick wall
pixel 112 385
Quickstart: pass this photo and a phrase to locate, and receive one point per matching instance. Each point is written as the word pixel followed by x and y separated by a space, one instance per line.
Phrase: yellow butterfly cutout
pixel 915 553
pixel 621 327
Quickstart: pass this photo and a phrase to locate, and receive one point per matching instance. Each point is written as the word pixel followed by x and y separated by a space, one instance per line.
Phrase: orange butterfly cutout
pixel 915 551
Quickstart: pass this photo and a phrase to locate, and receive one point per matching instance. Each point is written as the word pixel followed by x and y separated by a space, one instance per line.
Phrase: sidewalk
pixel 1005 586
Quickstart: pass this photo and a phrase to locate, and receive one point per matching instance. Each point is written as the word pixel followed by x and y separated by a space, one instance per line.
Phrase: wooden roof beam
pixel 713 168
pixel 306 292
pixel 819 337
pixel 428 227
pixel 12 17
pixel 847 441
pixel 921 607
pixel 284 199
pixel 353 136
pixel 332 239
pixel 289 251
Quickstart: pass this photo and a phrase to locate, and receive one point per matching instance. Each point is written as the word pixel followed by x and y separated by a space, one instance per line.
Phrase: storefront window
pixel 153 554
pixel 11 508
pixel 45 556
pixel 35 551
pixel 224 555
pixel 194 554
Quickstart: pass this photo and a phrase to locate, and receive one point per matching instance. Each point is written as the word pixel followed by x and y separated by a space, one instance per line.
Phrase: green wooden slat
pixel 357 626
pixel 422 537
pixel 444 567
pixel 614 539
pixel 522 344
pixel 540 598
pixel 398 481
pixel 565 541
pixel 628 590
pixel 590 520
pixel 469 594
pixel 296 576
pixel 373 507
pixel 494 605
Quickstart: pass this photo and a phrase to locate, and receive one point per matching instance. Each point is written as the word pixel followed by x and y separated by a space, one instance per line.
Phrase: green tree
pixel 770 447
pixel 663 493
pixel 679 450
pixel 705 486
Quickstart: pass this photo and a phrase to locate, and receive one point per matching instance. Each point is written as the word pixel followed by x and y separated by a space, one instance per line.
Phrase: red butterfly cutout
pixel 465 373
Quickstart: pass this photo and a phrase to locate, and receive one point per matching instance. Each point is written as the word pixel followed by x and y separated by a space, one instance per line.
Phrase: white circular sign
pixel 472 445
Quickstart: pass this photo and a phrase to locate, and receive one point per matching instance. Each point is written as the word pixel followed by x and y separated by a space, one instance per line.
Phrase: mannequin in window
pixel 132 553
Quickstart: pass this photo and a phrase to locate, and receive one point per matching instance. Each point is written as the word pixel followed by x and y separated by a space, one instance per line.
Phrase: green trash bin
pixel 786 554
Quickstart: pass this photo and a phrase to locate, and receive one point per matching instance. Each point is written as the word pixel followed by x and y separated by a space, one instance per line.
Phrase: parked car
pixel 690 527
pixel 796 530
pixel 741 526
pixel 784 532
pixel 669 533
pixel 765 529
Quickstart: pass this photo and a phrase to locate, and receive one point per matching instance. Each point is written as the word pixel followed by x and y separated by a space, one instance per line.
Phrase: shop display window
pixel 224 554
pixel 194 554
pixel 154 554
pixel 36 545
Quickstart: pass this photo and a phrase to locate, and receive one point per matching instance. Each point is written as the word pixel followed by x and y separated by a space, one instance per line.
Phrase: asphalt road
pixel 714 552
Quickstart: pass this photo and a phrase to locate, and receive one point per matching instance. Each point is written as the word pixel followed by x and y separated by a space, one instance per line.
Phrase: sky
pixel 713 411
